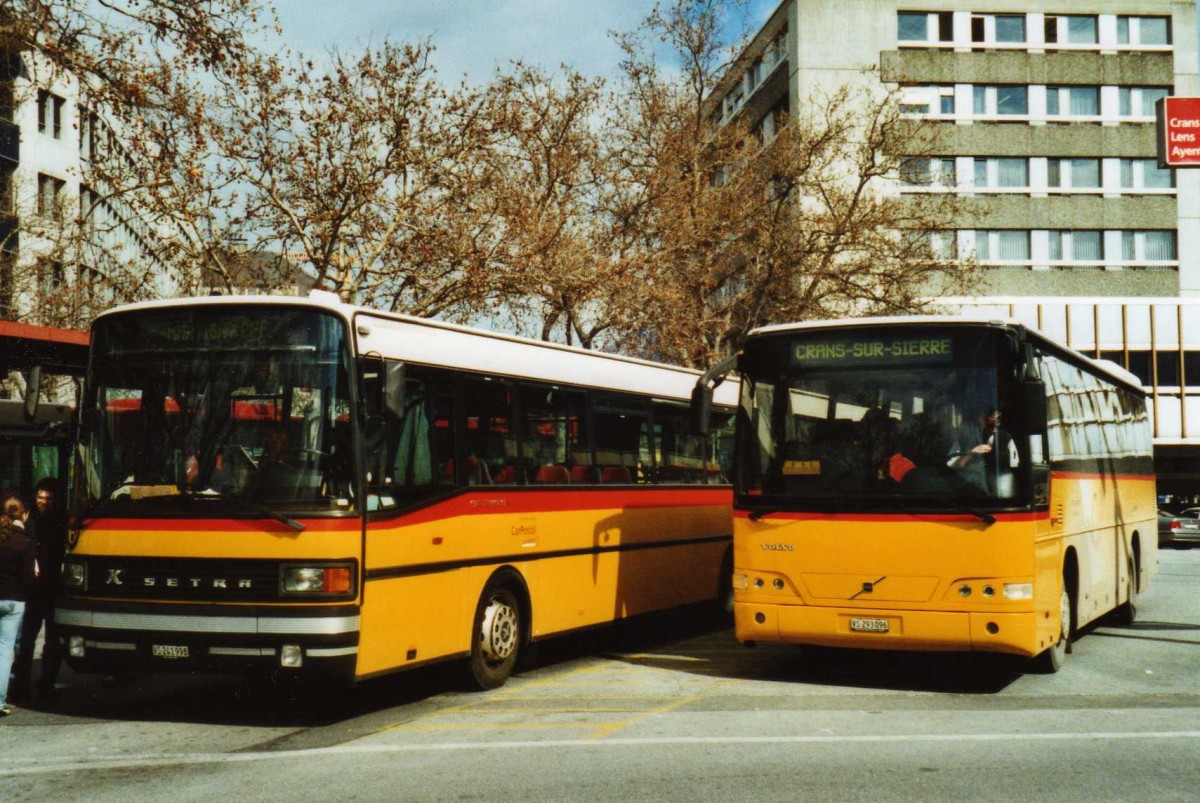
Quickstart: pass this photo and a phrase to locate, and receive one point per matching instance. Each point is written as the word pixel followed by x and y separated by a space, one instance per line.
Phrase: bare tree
pixel 731 225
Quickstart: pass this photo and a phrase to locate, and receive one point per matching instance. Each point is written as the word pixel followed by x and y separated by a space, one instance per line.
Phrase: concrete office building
pixel 1046 122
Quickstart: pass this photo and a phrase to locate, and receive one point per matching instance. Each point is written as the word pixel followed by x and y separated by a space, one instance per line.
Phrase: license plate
pixel 869 625
pixel 169 651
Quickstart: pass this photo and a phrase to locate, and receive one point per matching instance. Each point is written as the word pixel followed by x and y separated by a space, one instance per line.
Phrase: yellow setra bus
pixel 301 486
pixel 936 483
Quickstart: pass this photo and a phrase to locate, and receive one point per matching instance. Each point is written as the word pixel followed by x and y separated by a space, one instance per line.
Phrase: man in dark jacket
pixel 47 526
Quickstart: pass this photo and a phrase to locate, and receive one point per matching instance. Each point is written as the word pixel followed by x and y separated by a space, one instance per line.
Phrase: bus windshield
pixel 880 419
pixel 245 403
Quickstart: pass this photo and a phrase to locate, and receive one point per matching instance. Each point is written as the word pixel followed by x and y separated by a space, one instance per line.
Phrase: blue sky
pixel 473 36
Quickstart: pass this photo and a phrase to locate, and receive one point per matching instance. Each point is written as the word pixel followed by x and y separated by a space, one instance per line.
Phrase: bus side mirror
pixel 33 392
pixel 1032 407
pixel 393 391
pixel 702 399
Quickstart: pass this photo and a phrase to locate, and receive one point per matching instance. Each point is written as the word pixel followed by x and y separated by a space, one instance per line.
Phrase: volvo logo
pixel 779 547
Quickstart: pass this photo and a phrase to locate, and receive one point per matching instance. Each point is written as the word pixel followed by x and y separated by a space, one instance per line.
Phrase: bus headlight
pixel 314 580
pixel 1018 590
pixel 74 574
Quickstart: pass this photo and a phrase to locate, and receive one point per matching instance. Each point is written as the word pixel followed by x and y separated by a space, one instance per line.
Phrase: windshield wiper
pixel 986 518
pixel 250 507
pixel 755 515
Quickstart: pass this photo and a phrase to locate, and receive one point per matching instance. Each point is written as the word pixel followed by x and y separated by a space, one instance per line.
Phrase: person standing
pixel 16 581
pixel 47 527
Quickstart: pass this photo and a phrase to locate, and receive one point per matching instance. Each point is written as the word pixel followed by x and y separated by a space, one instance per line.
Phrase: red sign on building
pixel 1178 132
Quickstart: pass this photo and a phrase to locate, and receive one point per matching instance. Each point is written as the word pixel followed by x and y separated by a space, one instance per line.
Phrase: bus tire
pixel 1053 659
pixel 1126 613
pixel 724 601
pixel 495 636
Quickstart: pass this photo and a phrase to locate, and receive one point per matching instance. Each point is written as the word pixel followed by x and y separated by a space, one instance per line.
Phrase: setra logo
pixel 779 547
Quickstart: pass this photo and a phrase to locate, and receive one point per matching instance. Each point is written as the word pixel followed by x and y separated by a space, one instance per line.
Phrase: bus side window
pixel 490 440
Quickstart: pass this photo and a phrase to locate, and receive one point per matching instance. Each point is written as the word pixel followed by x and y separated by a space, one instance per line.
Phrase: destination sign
pixel 872 351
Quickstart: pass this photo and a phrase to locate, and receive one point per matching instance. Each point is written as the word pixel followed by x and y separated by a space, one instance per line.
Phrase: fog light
pixel 778 584
pixel 758 582
pixel 291 656
pixel 993 628
pixel 75 647
pixel 988 591
pixel 1018 590
pixel 964 590
pixel 741 581
pixel 760 618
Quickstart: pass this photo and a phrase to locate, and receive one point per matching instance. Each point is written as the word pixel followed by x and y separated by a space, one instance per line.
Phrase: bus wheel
pixel 497 636
pixel 1126 612
pixel 1053 659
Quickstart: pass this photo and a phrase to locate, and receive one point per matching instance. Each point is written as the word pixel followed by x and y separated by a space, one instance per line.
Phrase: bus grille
pixel 182 579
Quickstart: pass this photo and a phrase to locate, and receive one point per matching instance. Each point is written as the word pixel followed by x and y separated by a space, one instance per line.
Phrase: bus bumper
pixel 113 638
pixel 1011 633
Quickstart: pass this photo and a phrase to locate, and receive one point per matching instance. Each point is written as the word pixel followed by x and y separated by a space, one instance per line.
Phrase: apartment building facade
pixel 59 231
pixel 1045 124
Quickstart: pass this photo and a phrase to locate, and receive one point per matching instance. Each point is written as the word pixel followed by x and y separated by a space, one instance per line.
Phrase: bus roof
pixel 421 340
pixel 1110 370
pixel 23 346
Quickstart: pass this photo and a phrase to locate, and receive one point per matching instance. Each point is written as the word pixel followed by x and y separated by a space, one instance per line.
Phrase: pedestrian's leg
pixel 11 613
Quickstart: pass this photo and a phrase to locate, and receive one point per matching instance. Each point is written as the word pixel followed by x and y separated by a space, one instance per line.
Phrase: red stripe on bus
pixel 559 501
pixel 349 524
pixel 1090 475
pixel 895 517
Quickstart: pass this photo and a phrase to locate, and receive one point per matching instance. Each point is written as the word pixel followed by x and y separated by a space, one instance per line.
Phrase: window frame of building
pixel 997 174
pixel 987 100
pixel 1136 245
pixel 50 191
pixel 1068 174
pixel 1133 173
pixel 1065 245
pixel 1131 31
pixel 1142 98
pixel 926 23
pixel 1060 97
pixel 994 241
pixel 932 173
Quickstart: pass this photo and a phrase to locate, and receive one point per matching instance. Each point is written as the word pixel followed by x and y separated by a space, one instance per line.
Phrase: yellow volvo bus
pixel 298 485
pixel 935 484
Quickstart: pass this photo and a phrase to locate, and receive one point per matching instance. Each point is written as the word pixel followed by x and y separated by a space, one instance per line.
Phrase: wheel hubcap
pixel 498 638
pixel 1064 615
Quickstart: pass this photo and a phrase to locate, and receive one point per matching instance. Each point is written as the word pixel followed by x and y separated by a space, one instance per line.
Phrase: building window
pixel 989 29
pixel 50 274
pixel 1076 246
pixel 1144 30
pixel 914 26
pixel 1145 174
pixel 8 172
pixel 937 172
pixel 1148 246
pixel 927 100
pixel 1073 101
pixel 1002 246
pixel 1073 174
pixel 49 196
pixel 1001 100
pixel 1139 101
pixel 1072 29
pixel 50 113
pixel 1002 173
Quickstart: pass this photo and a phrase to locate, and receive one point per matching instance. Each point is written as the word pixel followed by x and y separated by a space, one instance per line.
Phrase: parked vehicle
pixel 1179 529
